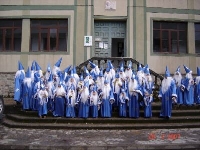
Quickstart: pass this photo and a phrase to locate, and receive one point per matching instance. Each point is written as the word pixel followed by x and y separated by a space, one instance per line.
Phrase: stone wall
pixel 7 84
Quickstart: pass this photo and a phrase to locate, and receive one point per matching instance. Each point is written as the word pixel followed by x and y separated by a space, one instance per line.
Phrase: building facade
pixel 154 32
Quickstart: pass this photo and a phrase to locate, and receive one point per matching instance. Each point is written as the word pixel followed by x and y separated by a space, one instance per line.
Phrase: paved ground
pixel 11 138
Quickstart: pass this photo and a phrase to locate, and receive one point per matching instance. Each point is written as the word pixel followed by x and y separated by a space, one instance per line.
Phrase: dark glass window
pixel 169 37
pixel 49 35
pixel 10 35
pixel 197 37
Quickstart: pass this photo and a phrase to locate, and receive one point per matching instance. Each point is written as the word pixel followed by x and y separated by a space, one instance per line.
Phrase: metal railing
pixel 116 61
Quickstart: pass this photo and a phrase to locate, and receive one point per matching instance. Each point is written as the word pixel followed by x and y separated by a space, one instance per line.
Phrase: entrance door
pixel 107 32
pixel 117 47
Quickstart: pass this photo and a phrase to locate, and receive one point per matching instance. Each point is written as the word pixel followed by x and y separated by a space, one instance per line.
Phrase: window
pixel 48 35
pixel 169 37
pixel 197 37
pixel 10 35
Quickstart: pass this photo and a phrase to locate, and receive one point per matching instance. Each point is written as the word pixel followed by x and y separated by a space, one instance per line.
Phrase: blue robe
pixel 42 108
pixel 188 95
pixel 27 97
pixel 59 106
pixel 83 110
pixel 197 93
pixel 122 107
pixel 106 106
pixel 70 111
pixel 166 106
pixel 134 107
pixel 18 87
pixel 147 107
pixel 94 111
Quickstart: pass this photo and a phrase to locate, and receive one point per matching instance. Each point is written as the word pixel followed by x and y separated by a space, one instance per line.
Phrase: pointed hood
pixel 33 66
pixel 81 77
pixel 178 69
pixel 140 67
pixel 121 68
pixel 92 65
pixel 57 64
pixel 198 71
pixel 86 72
pixel 37 66
pixel 74 70
pixel 28 73
pixel 20 66
pixel 67 69
pixel 110 65
pixel 146 69
pixel 167 73
pixel 49 68
pixel 187 70
pixel 36 77
pixel 101 73
pixel 129 65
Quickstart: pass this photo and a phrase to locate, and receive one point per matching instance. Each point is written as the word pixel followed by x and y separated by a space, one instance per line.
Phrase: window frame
pixel 195 30
pixel 41 27
pixel 16 24
pixel 176 29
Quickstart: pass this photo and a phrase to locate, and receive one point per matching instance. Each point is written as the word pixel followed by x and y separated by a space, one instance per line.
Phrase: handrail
pixel 116 62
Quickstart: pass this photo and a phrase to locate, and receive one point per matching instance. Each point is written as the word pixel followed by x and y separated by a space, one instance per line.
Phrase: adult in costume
pixel 167 94
pixel 134 90
pixel 94 103
pixel 59 105
pixel 123 100
pixel 27 91
pixel 42 100
pixel 188 87
pixel 197 87
pixel 70 102
pixel 19 77
pixel 107 99
pixel 83 101
pixel 178 80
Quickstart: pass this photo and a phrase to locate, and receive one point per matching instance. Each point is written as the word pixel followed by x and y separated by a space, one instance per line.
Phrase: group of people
pixel 96 93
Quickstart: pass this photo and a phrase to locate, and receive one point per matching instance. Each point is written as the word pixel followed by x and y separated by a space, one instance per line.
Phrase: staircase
pixel 182 117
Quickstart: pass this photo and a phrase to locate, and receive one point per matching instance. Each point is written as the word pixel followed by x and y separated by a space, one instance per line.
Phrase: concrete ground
pixel 13 138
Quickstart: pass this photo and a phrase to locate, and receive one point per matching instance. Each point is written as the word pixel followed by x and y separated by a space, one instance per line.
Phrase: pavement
pixel 15 138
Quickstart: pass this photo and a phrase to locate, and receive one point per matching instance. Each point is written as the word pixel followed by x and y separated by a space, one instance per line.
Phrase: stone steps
pixel 182 117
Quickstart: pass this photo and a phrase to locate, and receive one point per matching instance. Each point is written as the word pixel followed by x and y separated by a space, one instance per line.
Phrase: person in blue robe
pixel 148 93
pixel 27 91
pixel 134 91
pixel 123 100
pixel 42 102
pixel 94 103
pixel 107 99
pixel 178 80
pixel 116 84
pixel 70 103
pixel 83 101
pixel 59 101
pixel 50 90
pixel 197 87
pixel 188 87
pixel 167 94
pixel 18 83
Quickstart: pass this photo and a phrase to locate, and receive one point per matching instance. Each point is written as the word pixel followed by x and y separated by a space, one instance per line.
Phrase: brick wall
pixel 7 84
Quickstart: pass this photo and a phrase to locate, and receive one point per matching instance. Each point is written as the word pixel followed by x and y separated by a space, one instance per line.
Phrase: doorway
pixel 117 47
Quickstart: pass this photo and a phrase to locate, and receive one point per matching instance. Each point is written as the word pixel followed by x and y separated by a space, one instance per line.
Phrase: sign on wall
pixel 87 40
